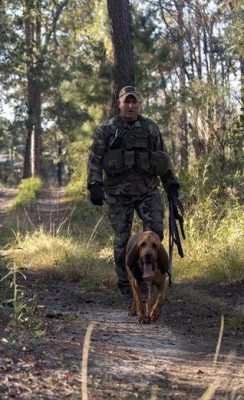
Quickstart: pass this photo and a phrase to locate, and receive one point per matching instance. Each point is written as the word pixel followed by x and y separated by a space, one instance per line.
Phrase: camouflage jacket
pixel 131 182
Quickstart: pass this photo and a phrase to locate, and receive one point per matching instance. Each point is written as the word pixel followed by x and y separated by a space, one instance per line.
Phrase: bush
pixel 214 246
pixel 28 191
pixel 76 157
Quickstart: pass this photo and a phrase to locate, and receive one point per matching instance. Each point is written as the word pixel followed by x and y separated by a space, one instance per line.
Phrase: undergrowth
pixel 28 192
pixel 213 248
pixel 77 158
pixel 64 257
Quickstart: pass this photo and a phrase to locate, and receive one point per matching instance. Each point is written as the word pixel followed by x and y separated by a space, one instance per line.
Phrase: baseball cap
pixel 130 91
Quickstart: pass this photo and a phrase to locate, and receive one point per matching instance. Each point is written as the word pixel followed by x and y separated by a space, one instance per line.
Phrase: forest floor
pixel 173 358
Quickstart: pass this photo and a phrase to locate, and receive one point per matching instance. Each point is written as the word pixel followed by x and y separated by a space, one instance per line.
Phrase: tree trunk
pixel 27 156
pixel 32 164
pixel 123 60
pixel 29 121
pixel 37 93
pixel 182 78
pixel 37 131
pixel 59 163
pixel 242 84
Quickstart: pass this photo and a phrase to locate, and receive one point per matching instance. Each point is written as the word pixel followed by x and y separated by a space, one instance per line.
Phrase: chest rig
pixel 130 150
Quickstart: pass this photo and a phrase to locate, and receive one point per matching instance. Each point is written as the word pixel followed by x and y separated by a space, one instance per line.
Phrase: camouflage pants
pixel 121 212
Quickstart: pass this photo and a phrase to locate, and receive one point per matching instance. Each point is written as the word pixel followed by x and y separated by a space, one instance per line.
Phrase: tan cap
pixel 130 91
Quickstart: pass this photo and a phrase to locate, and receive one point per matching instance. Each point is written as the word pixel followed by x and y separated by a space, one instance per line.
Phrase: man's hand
pixel 97 196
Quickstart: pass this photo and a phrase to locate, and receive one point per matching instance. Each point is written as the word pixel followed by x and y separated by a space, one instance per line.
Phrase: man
pixel 126 158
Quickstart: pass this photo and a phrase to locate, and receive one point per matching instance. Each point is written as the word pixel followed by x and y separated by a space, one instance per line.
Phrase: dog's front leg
pixel 157 308
pixel 140 309
pixel 137 299
pixel 149 301
pixel 132 308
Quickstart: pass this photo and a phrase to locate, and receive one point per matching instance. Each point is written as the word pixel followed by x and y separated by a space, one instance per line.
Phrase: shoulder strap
pixel 143 122
pixel 111 128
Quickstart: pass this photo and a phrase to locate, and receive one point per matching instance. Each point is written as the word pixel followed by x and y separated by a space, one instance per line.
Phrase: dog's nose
pixel 148 257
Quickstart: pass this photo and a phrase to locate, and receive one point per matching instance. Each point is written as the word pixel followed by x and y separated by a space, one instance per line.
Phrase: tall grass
pixel 63 257
pixel 28 191
pixel 214 246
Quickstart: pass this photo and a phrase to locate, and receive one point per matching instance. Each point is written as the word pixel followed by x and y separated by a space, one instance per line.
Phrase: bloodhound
pixel 147 262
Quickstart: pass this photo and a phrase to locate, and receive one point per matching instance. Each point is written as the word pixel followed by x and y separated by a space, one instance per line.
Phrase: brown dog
pixel 147 261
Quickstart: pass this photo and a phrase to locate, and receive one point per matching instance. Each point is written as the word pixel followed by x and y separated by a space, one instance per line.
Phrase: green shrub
pixel 77 156
pixel 28 191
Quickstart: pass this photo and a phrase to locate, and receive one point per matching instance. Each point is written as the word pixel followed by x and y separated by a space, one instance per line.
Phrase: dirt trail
pixel 171 359
pixel 49 209
pixel 6 197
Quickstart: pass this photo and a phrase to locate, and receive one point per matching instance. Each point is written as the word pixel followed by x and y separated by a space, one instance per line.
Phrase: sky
pixel 7 111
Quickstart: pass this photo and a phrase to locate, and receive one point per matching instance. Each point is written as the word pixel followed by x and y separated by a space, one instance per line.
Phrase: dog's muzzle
pixel 147 258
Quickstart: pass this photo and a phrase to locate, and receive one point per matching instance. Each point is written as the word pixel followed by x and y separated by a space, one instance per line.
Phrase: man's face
pixel 129 108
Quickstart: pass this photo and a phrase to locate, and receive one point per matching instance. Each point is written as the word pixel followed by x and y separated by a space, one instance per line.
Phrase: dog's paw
pixel 154 316
pixel 144 319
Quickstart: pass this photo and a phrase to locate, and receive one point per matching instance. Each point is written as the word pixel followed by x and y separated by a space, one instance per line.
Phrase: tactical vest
pixel 130 150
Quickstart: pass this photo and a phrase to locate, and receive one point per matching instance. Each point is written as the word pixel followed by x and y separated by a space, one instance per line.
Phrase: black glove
pixel 97 194
pixel 173 191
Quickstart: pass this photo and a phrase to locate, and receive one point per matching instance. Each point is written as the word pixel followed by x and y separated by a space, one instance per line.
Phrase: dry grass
pixel 215 251
pixel 63 257
pixel 84 364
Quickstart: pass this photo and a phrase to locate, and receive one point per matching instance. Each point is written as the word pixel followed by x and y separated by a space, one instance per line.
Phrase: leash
pixel 175 215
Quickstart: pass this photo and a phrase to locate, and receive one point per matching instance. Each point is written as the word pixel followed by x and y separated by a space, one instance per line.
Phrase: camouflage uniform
pixel 130 185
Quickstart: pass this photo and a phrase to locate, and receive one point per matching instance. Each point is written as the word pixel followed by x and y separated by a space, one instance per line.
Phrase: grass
pixel 5 289
pixel 214 246
pixel 28 191
pixel 235 323
pixel 213 249
pixel 63 257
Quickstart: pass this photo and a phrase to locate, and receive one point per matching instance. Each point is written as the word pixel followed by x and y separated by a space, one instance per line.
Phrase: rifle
pixel 175 215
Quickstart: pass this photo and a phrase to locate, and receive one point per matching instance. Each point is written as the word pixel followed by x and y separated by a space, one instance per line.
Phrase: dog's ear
pixel 163 259
pixel 132 255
